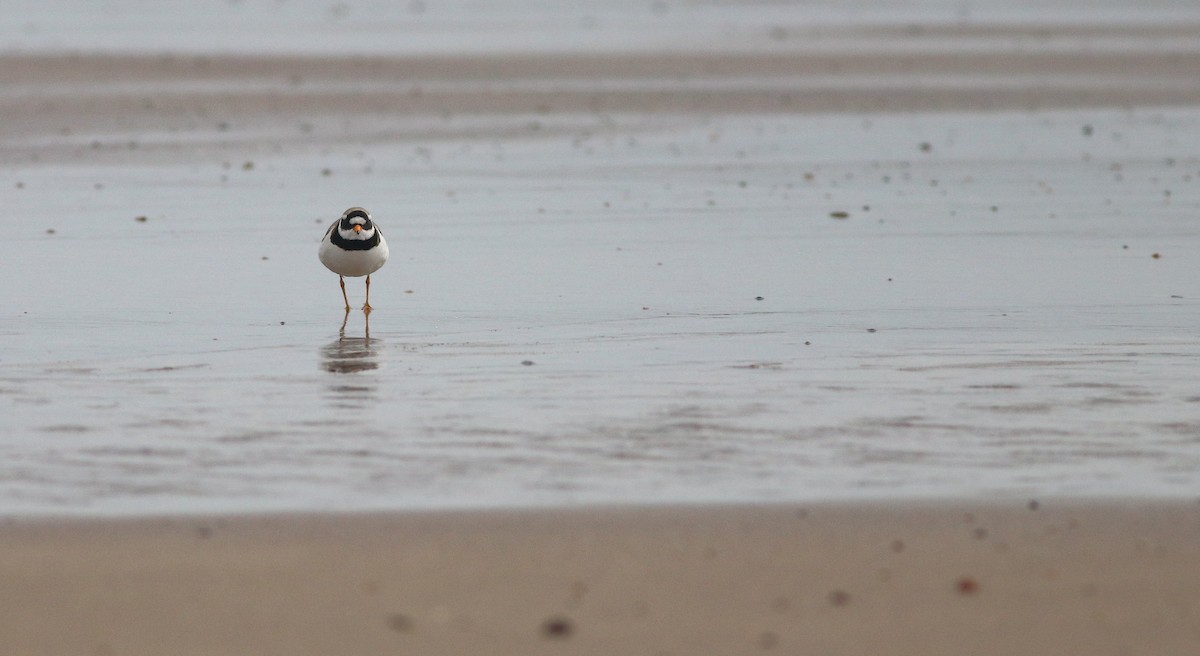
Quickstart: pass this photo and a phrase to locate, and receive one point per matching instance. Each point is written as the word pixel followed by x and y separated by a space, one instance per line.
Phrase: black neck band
pixel 354 244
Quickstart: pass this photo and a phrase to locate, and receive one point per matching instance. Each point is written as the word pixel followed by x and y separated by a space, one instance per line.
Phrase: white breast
pixel 352 263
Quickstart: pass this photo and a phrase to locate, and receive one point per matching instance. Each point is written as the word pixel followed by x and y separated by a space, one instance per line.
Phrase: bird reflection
pixel 350 355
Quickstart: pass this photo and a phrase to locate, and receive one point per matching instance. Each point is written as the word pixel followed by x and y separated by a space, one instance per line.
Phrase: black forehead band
pixel 358 213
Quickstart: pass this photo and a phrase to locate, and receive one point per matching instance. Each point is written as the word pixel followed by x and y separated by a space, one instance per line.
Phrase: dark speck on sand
pixel 399 623
pixel 839 598
pixel 558 627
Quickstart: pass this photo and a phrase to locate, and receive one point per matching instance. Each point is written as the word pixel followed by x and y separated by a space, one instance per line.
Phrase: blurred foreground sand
pixel 922 579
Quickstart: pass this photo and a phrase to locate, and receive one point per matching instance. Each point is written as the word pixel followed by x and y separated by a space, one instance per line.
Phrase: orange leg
pixel 342 282
pixel 367 305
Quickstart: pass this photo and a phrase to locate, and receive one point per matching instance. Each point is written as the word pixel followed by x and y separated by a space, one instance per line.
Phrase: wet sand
pixel 936 578
pixel 877 261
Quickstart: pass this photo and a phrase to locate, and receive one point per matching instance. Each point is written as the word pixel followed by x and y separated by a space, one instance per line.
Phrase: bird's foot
pixel 367 307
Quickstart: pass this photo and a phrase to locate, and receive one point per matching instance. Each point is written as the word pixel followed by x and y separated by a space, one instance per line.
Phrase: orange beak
pixel 357 228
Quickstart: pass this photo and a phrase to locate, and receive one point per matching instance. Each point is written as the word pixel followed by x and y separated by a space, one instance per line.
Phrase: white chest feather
pixel 355 253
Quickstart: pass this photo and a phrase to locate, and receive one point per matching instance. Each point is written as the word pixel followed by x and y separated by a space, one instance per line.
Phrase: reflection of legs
pixel 367 305
pixel 342 330
pixel 367 327
pixel 342 282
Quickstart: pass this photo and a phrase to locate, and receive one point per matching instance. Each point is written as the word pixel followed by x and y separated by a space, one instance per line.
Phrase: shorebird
pixel 353 246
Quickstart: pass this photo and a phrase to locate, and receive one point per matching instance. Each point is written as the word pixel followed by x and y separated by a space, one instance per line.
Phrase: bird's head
pixel 356 224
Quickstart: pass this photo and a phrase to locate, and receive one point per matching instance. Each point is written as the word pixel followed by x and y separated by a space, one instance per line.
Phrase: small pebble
pixel 840 215
pixel 399 623
pixel 557 627
pixel 141 219
pixel 527 363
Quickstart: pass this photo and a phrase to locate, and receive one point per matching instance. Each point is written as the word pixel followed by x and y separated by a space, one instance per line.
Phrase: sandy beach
pixel 940 578
pixel 709 327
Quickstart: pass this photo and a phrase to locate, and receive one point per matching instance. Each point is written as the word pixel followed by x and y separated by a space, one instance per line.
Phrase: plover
pixel 353 246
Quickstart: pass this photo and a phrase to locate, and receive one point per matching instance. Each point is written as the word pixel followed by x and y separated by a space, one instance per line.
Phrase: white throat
pixel 361 235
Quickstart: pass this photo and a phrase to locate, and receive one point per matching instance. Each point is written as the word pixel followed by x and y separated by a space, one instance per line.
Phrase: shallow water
pixel 617 279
